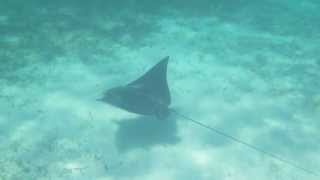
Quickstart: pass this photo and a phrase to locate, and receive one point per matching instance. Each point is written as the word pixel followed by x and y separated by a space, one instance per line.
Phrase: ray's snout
pixel 112 96
pixel 107 95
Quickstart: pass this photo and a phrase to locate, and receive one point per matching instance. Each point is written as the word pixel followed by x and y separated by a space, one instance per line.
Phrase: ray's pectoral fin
pixel 154 82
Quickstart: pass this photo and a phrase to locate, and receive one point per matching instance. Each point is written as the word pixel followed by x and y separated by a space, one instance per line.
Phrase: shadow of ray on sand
pixel 145 132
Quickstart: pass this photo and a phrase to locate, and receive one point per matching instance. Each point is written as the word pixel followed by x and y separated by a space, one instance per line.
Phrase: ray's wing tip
pixel 164 60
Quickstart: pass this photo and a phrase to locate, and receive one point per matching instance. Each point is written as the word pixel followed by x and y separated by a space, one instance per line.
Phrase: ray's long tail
pixel 244 143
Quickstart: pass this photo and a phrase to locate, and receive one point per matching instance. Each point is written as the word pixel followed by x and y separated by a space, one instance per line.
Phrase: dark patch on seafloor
pixel 145 132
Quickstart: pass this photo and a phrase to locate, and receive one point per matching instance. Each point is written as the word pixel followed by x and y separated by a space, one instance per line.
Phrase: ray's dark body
pixel 148 95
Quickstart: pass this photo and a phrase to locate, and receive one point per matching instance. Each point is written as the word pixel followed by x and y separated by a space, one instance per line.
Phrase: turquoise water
pixel 247 68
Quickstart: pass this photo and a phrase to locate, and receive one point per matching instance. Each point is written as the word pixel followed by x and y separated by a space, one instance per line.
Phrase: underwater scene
pixel 160 90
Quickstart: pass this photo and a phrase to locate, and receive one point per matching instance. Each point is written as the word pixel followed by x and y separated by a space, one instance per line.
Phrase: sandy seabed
pixel 258 86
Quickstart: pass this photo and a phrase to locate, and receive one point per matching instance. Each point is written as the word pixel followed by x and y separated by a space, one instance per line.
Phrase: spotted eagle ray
pixel 150 95
pixel 147 95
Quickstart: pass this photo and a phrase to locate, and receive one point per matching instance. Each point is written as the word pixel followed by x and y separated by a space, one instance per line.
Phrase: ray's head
pixel 113 96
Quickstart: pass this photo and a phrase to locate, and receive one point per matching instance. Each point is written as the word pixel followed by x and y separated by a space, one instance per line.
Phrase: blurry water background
pixel 249 68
